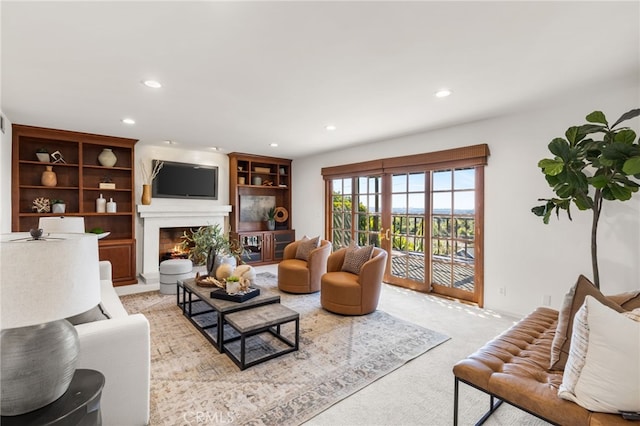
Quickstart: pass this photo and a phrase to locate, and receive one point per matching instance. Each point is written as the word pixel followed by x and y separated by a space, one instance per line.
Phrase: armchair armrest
pixel 290 250
pixel 120 349
pixel 372 270
pixel 105 270
pixel 319 256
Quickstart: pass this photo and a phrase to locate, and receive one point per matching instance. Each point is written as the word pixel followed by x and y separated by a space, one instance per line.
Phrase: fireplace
pixel 169 214
pixel 170 242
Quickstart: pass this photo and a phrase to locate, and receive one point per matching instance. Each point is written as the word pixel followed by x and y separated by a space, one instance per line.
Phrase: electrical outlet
pixel 503 291
pixel 546 300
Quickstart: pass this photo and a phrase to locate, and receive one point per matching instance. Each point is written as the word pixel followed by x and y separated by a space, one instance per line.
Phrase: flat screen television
pixel 185 180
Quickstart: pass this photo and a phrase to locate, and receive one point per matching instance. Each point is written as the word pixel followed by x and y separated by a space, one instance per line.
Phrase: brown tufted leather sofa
pixel 513 368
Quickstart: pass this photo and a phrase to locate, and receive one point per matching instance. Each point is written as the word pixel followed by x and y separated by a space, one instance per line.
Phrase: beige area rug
pixel 191 383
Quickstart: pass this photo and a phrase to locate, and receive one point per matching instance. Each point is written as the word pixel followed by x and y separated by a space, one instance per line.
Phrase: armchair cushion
pixel 355 257
pixel 305 246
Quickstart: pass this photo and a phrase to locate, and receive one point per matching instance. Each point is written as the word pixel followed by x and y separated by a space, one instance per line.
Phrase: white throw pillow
pixel 603 370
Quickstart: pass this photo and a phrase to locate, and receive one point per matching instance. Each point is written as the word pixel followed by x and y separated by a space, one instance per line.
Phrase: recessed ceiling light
pixel 215 148
pixel 170 142
pixel 443 93
pixel 152 83
pixel 273 145
pixel 330 127
pixel 128 121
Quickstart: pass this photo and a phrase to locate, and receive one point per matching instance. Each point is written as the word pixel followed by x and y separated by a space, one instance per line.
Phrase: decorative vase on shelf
pixel 49 177
pixel 58 208
pixel 43 157
pixel 107 158
pixel 271 224
pixel 146 195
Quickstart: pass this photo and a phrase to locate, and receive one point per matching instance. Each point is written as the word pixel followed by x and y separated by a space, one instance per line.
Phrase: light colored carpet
pixel 191 383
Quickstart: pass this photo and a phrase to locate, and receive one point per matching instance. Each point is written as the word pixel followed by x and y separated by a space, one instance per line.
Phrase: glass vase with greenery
pixel 207 242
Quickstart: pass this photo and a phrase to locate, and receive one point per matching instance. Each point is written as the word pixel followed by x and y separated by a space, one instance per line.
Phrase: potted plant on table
pixel 58 206
pixel 271 219
pixel 209 246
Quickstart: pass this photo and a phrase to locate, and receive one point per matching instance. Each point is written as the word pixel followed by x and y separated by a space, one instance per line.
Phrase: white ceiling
pixel 242 75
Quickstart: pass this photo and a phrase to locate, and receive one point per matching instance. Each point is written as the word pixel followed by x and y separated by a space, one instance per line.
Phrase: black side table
pixel 78 406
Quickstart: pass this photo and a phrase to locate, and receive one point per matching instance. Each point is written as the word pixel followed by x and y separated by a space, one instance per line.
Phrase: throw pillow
pixel 634 315
pixel 305 246
pixel 572 302
pixel 96 313
pixel 629 301
pixel 603 372
pixel 355 257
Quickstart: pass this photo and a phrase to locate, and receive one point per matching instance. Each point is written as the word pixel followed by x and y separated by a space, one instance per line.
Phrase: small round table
pixel 79 405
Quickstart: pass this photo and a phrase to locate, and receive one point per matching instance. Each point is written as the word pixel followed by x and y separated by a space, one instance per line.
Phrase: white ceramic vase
pixel 107 158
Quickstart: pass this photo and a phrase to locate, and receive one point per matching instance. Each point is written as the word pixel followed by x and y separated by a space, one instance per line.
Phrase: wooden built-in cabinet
pixel 78 184
pixel 252 177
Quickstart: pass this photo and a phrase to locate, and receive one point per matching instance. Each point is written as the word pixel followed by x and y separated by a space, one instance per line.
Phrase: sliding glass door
pixel 428 218
pixel 407 230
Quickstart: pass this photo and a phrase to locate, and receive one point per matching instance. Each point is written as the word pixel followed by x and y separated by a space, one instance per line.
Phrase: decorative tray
pixel 221 293
pixel 262 169
pixel 207 281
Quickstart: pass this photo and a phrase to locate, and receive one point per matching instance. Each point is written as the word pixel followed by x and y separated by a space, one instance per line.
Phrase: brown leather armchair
pixel 300 276
pixel 350 294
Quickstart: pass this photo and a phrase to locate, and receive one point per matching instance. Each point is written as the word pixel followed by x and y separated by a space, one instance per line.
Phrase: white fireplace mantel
pixel 162 215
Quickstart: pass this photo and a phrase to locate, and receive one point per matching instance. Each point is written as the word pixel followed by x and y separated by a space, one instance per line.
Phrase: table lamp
pixel 42 282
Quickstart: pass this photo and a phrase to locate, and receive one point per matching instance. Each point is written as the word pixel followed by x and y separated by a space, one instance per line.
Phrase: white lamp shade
pixel 47 280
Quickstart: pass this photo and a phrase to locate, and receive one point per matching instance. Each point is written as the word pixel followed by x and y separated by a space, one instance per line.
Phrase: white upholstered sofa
pixel 118 347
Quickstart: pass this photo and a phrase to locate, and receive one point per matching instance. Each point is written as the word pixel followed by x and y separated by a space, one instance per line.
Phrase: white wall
pixel 5 177
pixel 144 153
pixel 522 255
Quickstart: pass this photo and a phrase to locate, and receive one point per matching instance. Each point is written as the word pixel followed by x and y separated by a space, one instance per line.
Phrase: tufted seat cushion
pixel 514 367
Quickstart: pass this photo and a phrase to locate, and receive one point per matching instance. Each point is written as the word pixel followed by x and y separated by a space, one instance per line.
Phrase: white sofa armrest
pixel 120 349
pixel 105 270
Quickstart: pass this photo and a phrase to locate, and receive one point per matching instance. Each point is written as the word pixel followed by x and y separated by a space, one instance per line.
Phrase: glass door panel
pixel 341 201
pixel 453 233
pixel 368 193
pixel 406 231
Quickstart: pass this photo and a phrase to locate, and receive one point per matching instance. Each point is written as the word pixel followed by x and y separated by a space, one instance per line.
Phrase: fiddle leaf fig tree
pixel 592 163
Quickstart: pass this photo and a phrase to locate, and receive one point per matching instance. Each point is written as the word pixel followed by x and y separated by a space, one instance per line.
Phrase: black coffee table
pixel 206 313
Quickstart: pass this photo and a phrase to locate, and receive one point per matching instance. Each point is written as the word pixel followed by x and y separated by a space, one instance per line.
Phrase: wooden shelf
pixel 263 245
pixel 78 185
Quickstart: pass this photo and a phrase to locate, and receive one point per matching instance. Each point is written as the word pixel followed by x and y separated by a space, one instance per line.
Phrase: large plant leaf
pixel 626 136
pixel 560 148
pixel 583 202
pixel 597 117
pixel 613 191
pixel 565 190
pixel 551 167
pixel 599 181
pixel 632 166
pixel 586 129
pixel 618 151
pixel 626 116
